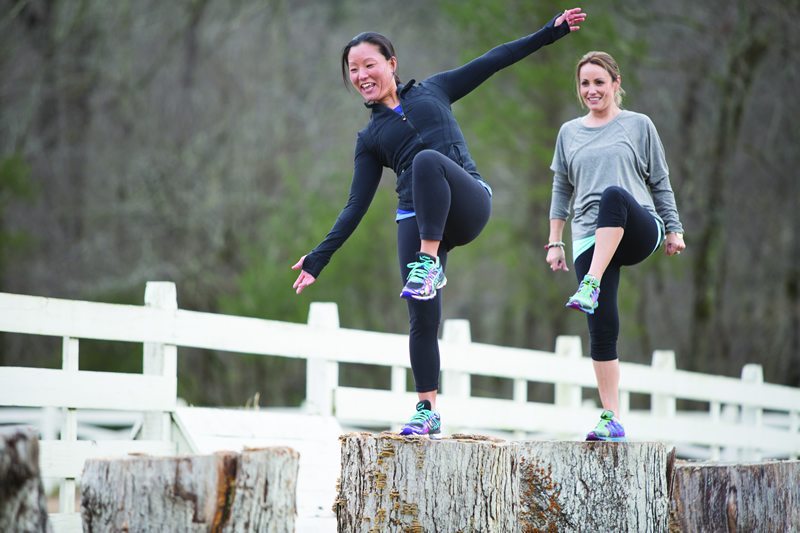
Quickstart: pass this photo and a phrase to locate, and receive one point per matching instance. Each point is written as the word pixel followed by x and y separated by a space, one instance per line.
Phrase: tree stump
pixel 593 486
pixel 736 497
pixel 224 492
pixel 473 483
pixel 23 502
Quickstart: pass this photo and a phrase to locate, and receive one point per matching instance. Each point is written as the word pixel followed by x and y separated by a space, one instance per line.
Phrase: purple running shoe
pixel 608 429
pixel 424 422
pixel 424 279
pixel 585 299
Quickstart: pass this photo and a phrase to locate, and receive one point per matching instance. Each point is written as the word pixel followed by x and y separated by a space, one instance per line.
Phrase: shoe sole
pixel 578 307
pixel 422 298
pixel 435 436
pixel 608 439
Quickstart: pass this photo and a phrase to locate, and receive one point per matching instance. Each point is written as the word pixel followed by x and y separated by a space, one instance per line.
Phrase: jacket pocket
pixel 455 154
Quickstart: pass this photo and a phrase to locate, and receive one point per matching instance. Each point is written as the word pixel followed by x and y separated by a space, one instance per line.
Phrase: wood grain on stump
pixel 470 483
pixel 23 502
pixel 226 492
pixel 736 497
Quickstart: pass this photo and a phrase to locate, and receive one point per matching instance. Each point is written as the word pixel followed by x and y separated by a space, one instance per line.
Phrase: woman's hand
pixel 674 244
pixel 304 279
pixel 557 259
pixel 573 17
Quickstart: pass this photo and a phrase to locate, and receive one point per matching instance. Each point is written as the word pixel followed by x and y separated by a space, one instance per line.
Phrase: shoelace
pixel 603 424
pixel 587 288
pixel 419 270
pixel 421 416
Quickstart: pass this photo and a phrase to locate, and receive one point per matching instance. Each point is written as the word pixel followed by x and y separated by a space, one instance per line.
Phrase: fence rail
pixel 745 419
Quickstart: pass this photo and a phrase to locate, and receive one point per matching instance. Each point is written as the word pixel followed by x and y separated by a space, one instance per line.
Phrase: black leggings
pixel 643 234
pixel 453 207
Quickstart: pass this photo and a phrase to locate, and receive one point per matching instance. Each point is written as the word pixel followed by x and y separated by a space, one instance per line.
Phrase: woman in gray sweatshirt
pixel 610 165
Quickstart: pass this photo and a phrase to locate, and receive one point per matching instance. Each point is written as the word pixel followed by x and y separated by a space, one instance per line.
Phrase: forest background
pixel 210 143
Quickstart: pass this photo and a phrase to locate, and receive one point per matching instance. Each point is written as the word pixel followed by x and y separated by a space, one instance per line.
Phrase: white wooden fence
pixel 744 416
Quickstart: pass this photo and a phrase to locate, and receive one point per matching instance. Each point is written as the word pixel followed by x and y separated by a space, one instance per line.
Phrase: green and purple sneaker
pixel 585 299
pixel 425 421
pixel 425 278
pixel 608 429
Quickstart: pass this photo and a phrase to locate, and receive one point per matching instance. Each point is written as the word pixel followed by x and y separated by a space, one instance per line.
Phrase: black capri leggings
pixel 643 234
pixel 453 207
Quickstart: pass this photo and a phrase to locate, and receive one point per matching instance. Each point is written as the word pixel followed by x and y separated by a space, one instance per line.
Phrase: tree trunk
pixel 730 497
pixel 224 492
pixel 23 503
pixel 473 483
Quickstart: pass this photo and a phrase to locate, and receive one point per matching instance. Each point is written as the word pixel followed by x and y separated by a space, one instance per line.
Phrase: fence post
pixel 729 416
pixel 399 379
pixel 159 359
pixel 69 431
pixel 520 396
pixel 752 416
pixel 715 415
pixel 456 384
pixel 567 394
pixel 663 405
pixel 322 376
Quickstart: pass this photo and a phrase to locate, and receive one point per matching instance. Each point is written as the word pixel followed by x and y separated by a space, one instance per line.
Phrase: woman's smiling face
pixel 372 74
pixel 597 89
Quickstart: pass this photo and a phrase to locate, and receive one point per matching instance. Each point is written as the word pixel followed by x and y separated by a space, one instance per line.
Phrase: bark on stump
pixel 736 497
pixel 224 492
pixel 473 483
pixel 23 502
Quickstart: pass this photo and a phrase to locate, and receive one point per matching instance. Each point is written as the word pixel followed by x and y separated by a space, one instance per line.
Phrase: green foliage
pixel 362 277
pixel 14 179
pixel 15 186
pixel 358 277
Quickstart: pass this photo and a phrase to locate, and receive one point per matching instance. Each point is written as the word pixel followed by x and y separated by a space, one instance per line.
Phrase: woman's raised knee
pixel 426 158
pixel 614 193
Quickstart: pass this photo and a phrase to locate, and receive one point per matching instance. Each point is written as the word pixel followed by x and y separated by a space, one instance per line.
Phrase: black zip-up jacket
pixel 392 140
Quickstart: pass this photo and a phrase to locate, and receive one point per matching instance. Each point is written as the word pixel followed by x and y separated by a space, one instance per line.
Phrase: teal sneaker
pixel 608 429
pixel 425 278
pixel 585 299
pixel 424 422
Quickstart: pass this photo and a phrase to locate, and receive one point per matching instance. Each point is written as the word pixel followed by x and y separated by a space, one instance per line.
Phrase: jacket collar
pixel 402 89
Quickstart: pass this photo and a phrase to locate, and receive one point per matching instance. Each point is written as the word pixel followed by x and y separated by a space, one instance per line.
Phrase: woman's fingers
pixel 303 280
pixel 299 264
pixel 573 18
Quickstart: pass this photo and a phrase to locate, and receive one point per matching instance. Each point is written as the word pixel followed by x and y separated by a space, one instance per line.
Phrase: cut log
pixel 593 486
pixel 23 502
pixel 736 497
pixel 471 483
pixel 224 492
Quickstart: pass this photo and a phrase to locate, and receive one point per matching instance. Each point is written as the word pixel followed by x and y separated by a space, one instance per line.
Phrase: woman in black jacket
pixel 443 201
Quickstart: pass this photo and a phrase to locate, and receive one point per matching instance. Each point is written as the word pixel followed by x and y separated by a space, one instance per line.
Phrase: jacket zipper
pixel 411 125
